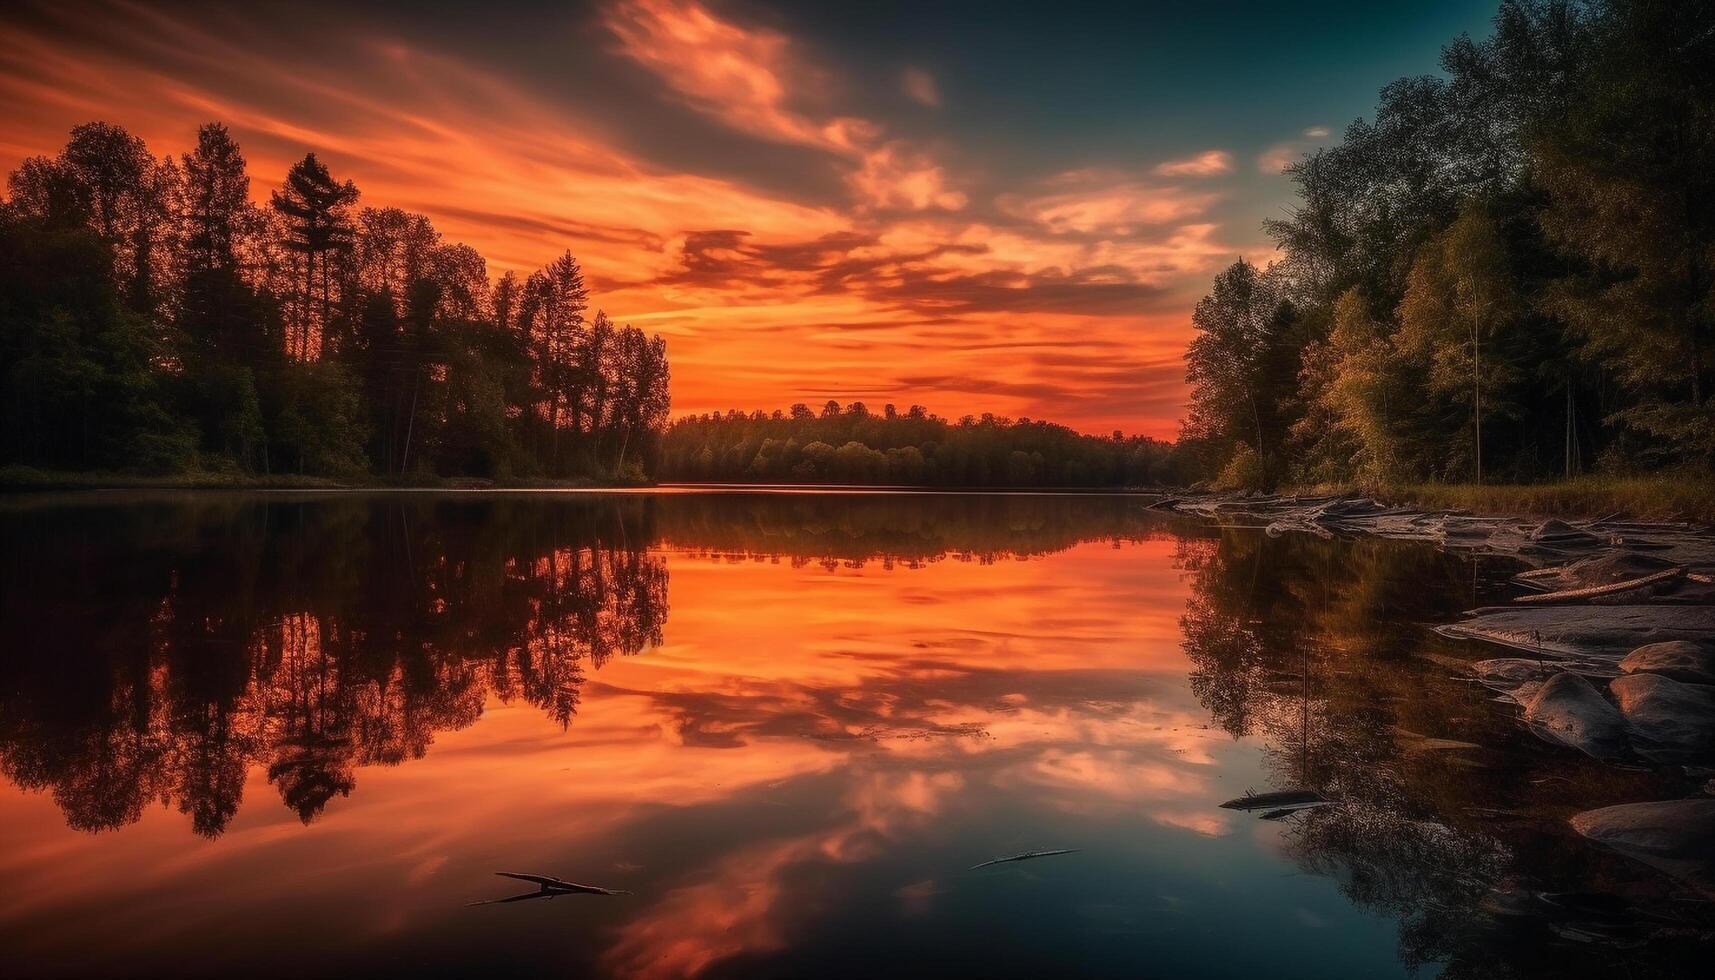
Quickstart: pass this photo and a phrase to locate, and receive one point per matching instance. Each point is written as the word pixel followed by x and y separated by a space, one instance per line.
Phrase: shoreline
pixel 1661 499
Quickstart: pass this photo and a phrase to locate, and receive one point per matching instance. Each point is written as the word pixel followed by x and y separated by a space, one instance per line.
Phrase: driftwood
pixel 1593 591
pixel 1028 855
pixel 550 887
pixel 1270 801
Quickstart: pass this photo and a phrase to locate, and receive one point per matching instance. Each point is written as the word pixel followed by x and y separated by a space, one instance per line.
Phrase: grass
pixel 1650 498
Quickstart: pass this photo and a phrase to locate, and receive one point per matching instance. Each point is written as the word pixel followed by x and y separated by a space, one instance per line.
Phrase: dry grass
pixel 1643 497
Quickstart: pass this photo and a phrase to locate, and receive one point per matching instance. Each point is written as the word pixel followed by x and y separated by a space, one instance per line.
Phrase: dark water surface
pixel 293 735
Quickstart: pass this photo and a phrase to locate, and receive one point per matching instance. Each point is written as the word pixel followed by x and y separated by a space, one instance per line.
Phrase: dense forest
pixel 154 318
pixel 1507 275
pixel 852 445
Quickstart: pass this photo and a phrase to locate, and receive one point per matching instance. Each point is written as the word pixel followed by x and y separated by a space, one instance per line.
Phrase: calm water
pixel 296 734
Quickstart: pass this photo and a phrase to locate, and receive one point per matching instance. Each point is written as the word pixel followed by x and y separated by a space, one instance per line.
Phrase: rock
pixel 1674 836
pixel 1667 720
pixel 1601 632
pixel 1682 660
pixel 1512 675
pixel 1561 534
pixel 1569 711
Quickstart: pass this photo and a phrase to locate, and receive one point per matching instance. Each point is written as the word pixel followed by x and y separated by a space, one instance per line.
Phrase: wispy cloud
pixel 920 87
pixel 746 77
pixel 1209 163
pixel 1281 155
pixel 1107 202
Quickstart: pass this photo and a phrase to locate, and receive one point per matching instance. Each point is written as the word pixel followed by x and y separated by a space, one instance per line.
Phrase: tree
pixel 1629 173
pixel 106 181
pixel 553 320
pixel 1364 390
pixel 140 329
pixel 1233 366
pixel 317 212
pixel 1460 294
pixel 216 203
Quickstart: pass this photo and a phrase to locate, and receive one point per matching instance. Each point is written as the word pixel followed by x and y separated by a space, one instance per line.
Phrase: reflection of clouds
pixel 1054 683
pixel 917 897
pixel 1070 721
pixel 737 906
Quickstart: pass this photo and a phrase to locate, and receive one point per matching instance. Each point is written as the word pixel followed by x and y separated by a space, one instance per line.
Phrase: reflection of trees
pixel 1318 647
pixel 158 652
pixel 906 528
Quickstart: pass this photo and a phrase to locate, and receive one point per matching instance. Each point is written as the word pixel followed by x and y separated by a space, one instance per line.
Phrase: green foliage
pixel 852 445
pixel 1510 270
pixel 153 320
pixel 1243 472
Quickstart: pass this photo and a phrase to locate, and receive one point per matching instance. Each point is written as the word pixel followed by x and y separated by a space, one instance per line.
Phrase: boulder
pixel 1674 836
pixel 1569 711
pixel 1667 720
pixel 1682 660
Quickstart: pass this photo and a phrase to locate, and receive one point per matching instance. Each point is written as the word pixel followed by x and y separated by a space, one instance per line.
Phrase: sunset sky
pixel 971 206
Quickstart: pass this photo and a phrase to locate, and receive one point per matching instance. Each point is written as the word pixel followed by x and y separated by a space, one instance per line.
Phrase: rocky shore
pixel 1615 622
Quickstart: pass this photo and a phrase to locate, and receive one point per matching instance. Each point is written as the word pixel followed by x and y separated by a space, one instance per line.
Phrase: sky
pixel 976 207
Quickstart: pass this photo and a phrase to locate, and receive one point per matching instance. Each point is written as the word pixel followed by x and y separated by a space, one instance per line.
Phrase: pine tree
pixel 317 212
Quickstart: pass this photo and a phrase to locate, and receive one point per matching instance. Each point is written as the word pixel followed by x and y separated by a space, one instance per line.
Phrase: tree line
pixel 1507 275
pixel 154 318
pixel 852 445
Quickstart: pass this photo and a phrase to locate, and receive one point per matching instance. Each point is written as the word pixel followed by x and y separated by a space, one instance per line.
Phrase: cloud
pixel 920 87
pixel 1281 155
pixel 895 176
pixel 742 76
pixel 1107 202
pixel 1206 164
pixel 904 271
pixel 746 77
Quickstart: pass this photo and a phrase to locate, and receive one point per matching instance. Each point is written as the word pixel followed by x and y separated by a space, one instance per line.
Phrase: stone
pixel 1674 836
pixel 1682 660
pixel 1605 633
pixel 1513 676
pixel 1569 711
pixel 1667 720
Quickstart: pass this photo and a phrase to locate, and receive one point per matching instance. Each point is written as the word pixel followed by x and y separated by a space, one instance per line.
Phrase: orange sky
pixel 838 258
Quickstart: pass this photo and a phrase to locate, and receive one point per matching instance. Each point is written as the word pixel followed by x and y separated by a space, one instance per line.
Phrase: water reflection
pixel 157 652
pixel 1446 819
pixel 856 698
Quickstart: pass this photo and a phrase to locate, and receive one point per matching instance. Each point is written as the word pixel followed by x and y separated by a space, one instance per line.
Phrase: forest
pixel 852 445
pixel 1508 275
pixel 155 319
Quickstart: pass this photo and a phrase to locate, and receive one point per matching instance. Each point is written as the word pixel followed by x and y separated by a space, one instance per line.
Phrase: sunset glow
pixel 796 231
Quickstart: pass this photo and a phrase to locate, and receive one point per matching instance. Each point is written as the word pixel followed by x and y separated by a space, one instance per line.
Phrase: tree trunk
pixel 1477 388
pixel 410 422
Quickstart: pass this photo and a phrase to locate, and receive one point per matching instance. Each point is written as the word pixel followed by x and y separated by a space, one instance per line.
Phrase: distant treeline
pixel 153 318
pixel 855 446
pixel 1508 275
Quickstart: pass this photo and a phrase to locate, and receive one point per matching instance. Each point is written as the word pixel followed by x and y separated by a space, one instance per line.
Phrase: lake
pixel 297 734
